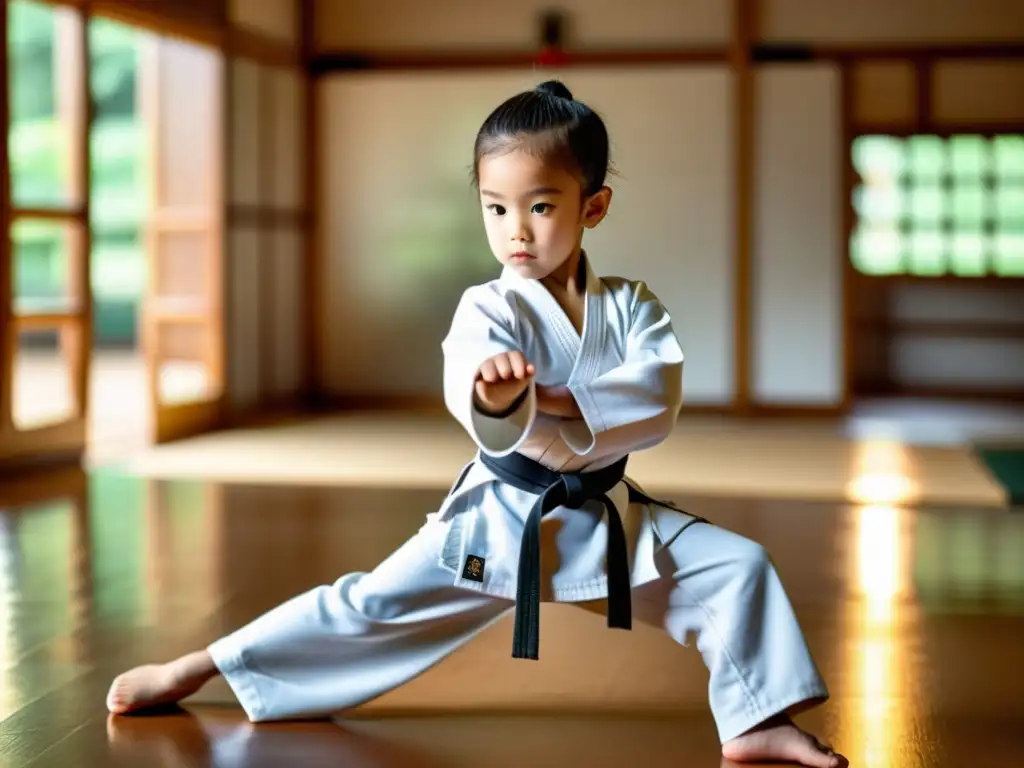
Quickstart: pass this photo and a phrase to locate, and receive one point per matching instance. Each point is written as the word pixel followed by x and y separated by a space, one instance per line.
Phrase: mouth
pixel 521 256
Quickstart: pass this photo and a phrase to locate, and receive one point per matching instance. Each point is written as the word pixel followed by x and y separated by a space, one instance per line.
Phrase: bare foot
pixel 154 685
pixel 779 739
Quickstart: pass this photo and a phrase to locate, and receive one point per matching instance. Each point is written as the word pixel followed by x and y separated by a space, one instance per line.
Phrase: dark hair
pixel 549 122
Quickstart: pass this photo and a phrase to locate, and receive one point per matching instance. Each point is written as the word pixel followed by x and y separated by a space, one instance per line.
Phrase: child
pixel 558 375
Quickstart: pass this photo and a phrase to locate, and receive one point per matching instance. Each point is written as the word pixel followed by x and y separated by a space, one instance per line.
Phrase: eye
pixel 497 210
pixel 542 208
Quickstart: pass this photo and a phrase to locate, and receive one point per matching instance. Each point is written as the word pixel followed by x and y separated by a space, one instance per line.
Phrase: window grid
pixel 934 206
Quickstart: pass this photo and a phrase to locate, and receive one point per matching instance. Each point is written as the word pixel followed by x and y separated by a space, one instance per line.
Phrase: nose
pixel 520 231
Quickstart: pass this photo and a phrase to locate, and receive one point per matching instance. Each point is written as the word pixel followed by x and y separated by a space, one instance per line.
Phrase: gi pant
pixel 335 647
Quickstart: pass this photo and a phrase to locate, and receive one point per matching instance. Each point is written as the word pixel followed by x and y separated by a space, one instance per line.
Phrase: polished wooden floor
pixel 912 614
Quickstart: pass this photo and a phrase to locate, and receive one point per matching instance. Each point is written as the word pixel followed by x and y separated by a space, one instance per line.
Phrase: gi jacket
pixel 625 372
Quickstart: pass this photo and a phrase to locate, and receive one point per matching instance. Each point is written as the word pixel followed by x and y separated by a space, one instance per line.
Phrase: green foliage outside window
pixel 39 146
pixel 933 206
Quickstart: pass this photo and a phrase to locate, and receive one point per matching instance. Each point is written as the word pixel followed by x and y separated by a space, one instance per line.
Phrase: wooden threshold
pixel 188 419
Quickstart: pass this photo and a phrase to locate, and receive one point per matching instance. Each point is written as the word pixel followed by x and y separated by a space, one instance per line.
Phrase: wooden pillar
pixel 743 38
pixel 847 97
pixel 314 286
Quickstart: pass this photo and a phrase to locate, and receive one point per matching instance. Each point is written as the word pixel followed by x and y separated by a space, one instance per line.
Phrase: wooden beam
pixel 941 129
pixel 76 213
pixel 198 21
pixel 332 62
pixel 244 43
pixel 325 63
pixel 923 82
pixel 68 3
pixel 744 33
pixel 974 51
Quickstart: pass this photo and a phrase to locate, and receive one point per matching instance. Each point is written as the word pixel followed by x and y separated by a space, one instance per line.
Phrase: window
pixel 934 206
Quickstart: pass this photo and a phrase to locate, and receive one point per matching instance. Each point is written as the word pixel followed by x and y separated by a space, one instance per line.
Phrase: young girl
pixel 557 375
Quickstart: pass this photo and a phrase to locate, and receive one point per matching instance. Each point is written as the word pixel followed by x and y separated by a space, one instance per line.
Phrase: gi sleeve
pixel 634 405
pixel 482 327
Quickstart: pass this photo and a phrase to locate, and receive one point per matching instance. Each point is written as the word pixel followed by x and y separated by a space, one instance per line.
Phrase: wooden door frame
pixel 64 440
pixel 67 443
pixel 172 421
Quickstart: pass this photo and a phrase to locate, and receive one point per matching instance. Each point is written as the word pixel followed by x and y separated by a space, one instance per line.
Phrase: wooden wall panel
pixel 871 22
pixel 979 92
pixel 884 93
pixel 977 366
pixel 403 234
pixel 941 337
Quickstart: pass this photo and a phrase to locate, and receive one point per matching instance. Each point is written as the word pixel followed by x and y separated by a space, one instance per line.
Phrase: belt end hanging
pixel 526 633
pixel 620 614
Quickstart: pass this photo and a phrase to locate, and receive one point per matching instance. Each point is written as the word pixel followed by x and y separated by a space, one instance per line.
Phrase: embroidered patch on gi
pixel 474 570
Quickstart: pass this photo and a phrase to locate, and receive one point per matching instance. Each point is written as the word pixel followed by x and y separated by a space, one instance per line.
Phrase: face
pixel 533 213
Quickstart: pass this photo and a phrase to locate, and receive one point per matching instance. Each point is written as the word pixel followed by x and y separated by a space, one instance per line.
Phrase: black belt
pixel 573 490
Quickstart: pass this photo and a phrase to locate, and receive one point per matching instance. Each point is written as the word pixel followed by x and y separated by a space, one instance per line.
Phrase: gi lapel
pixel 592 345
pixel 585 351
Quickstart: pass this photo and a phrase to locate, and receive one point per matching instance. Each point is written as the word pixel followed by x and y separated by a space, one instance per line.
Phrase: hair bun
pixel 555 88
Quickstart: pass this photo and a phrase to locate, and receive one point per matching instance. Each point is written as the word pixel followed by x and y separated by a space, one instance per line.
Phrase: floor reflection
pixel 215 739
pixel 881 626
pixel 915 616
pixel 180 738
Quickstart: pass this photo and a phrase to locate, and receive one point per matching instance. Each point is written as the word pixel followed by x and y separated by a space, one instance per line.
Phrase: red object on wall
pixel 552 57
pixel 552 40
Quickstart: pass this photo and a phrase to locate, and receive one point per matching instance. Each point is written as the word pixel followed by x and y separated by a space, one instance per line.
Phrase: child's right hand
pixel 500 380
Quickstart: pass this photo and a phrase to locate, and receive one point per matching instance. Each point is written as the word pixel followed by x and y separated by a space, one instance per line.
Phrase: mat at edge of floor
pixel 1006 465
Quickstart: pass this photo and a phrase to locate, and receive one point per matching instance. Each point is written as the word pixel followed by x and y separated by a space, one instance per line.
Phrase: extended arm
pixel 483 326
pixel 634 405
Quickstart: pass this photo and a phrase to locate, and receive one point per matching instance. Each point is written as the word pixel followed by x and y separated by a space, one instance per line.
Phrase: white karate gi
pixel 339 645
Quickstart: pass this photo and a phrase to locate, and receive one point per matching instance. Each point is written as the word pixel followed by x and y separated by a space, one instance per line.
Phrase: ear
pixel 595 207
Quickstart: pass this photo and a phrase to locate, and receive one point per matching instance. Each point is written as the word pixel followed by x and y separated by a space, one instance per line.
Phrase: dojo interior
pixel 234 235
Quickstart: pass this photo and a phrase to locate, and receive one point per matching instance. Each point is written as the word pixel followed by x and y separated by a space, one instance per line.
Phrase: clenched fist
pixel 500 380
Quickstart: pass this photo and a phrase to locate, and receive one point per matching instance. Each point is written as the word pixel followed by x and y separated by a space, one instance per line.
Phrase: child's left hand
pixel 557 401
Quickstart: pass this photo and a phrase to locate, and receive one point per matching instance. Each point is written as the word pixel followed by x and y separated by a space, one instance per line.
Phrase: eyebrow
pixel 531 193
